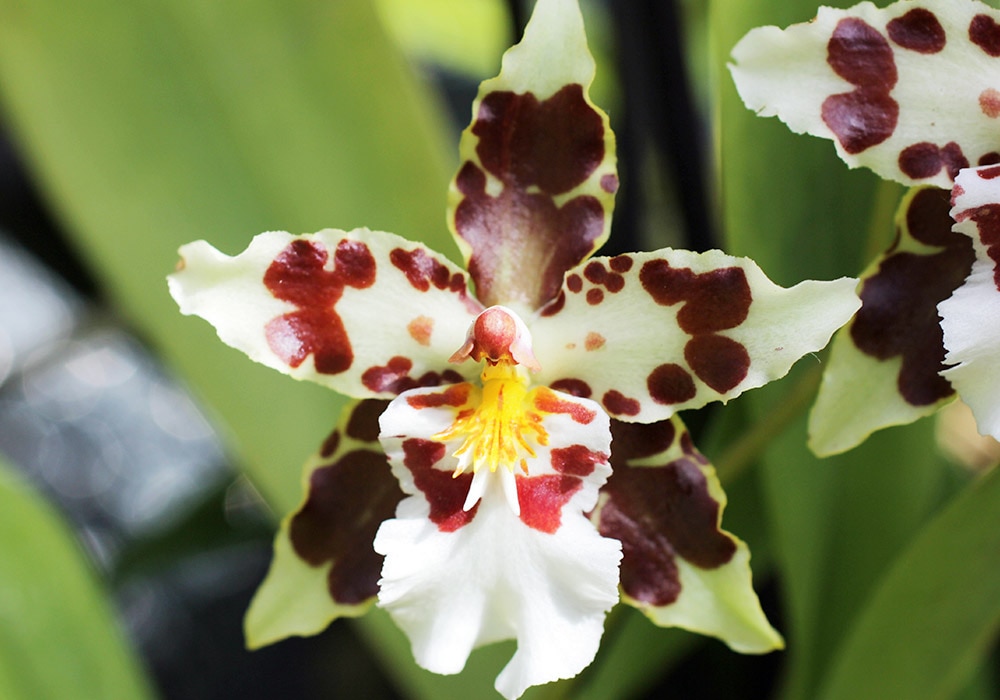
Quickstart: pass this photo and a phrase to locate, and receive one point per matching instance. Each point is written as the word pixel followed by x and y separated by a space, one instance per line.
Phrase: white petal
pixel 970 318
pixel 455 579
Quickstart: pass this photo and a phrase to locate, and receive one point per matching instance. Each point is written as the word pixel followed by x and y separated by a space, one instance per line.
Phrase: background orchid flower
pixel 909 91
pixel 470 490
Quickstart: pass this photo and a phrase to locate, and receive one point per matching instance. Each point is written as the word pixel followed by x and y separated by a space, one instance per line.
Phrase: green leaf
pixel 154 124
pixel 935 613
pixel 58 635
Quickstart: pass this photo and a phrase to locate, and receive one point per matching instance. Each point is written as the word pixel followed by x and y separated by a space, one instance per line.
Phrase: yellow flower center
pixel 502 429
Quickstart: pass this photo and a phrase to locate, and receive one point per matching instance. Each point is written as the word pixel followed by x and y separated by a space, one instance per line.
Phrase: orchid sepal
pixel 535 188
pixel 323 566
pixel 680 568
pixel 885 366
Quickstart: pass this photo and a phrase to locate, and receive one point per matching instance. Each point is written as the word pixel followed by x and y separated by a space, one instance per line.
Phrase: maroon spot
pixel 330 444
pixel 918 30
pixel 354 264
pixel 542 499
pixel 595 272
pixel 720 362
pixel 665 284
pixel 595 296
pixel 363 423
pixel 984 174
pixel 633 441
pixel 621 263
pixel 576 460
pixel 555 306
pixel 928 217
pixel 920 160
pixel 614 283
pixel 554 144
pixel 859 54
pixel 925 159
pixel 658 514
pixel 984 32
pixel 573 387
pixel 574 283
pixel 347 502
pixel 395 377
pixel 298 275
pixel 953 158
pixel 860 119
pixel 537 150
pixel 609 183
pixel 422 270
pixel 991 158
pixel 670 384
pixel 987 220
pixel 455 395
pixel 619 404
pixel 548 402
pixel 445 494
pixel 898 315
pixel 867 116
pixel 716 300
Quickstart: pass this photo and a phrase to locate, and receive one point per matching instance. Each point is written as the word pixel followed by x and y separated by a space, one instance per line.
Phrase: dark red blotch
pixel 660 513
pixel 984 32
pixel 394 377
pixel 548 147
pixel 918 30
pixel 347 501
pixel 713 301
pixel 298 275
pixel 445 494
pixel 867 115
pixel 898 315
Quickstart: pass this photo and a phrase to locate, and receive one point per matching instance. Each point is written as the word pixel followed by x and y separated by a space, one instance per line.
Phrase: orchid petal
pixel 395 307
pixel 649 334
pixel 535 189
pixel 455 579
pixel 911 91
pixel 884 366
pixel 324 566
pixel 664 503
pixel 971 316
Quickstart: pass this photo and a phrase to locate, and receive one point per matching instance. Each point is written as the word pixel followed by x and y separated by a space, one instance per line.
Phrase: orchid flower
pixel 470 489
pixel 911 91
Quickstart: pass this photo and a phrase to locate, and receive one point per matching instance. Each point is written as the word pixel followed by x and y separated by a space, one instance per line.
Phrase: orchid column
pixel 514 463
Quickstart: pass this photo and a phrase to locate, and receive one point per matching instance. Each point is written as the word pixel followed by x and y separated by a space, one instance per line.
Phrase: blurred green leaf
pixel 58 637
pixel 155 123
pixel 935 613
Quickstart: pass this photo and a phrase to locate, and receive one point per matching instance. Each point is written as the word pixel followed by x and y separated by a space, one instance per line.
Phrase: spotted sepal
pixel 535 188
pixel 971 316
pixel 664 503
pixel 910 90
pixel 466 566
pixel 648 334
pixel 884 366
pixel 366 313
pixel 324 566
